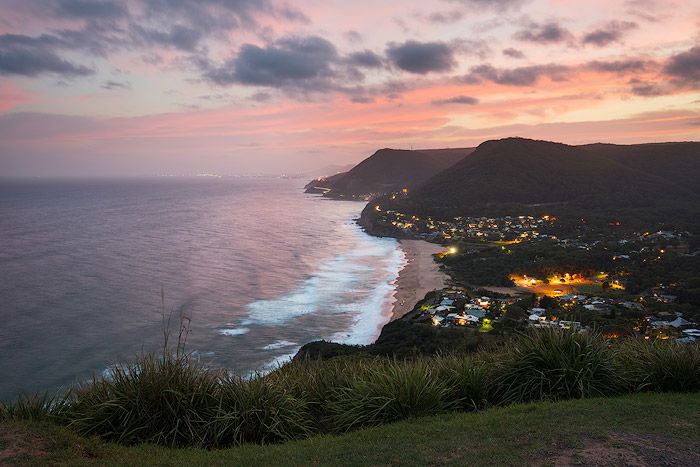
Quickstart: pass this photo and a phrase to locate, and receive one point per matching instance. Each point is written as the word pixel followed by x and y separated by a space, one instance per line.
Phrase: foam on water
pixel 367 270
pixel 357 284
pixel 233 332
pixel 278 345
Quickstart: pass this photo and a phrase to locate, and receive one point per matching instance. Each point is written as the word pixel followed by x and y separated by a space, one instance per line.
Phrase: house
pixel 678 322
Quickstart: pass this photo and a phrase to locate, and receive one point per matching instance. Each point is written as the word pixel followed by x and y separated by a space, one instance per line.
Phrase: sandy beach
pixel 419 276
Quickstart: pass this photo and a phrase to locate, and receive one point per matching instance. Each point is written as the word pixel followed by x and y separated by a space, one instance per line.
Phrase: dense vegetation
pixel 597 178
pixel 388 170
pixel 176 401
pixel 599 431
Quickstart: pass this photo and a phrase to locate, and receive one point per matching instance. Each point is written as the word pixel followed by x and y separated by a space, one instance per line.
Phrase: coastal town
pixel 613 317
pixel 524 271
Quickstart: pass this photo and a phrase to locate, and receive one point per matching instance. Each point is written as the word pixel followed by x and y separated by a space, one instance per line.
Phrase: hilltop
pixel 524 175
pixel 387 170
pixel 594 432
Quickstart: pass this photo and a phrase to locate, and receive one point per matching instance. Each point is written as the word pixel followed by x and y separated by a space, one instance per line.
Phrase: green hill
pixel 386 171
pixel 520 175
pixel 639 429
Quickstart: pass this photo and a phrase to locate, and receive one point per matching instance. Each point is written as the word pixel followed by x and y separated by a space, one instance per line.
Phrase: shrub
pixel 397 391
pixel 660 365
pixel 555 364
pixel 38 407
pixel 257 411
pixel 164 400
pixel 466 379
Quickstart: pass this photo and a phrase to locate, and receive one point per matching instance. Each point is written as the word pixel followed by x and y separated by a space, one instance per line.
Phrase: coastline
pixel 419 275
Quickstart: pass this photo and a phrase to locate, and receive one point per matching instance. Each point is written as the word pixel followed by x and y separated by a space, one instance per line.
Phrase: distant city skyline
pixel 146 87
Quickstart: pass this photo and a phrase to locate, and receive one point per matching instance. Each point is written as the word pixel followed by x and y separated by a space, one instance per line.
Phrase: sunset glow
pixel 145 87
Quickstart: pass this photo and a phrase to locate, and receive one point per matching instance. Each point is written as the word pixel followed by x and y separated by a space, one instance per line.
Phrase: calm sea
pixel 260 267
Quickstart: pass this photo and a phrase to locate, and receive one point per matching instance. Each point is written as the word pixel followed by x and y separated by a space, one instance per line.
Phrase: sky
pixel 233 87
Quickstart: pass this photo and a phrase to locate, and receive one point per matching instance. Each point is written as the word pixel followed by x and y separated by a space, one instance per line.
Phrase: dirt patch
pixel 19 446
pixel 629 449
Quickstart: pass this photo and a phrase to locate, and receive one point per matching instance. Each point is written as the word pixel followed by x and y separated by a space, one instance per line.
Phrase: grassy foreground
pixel 638 429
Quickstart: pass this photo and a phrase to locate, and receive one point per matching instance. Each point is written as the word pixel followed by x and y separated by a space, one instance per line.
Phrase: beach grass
pixel 175 401
pixel 659 429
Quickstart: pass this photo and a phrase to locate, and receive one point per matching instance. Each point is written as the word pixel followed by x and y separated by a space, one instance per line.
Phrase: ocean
pixel 260 268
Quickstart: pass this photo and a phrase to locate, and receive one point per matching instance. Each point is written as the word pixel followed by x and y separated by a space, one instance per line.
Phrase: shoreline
pixel 419 275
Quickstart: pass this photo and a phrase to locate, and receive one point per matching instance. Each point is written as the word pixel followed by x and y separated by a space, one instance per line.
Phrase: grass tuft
pixel 660 365
pixel 551 364
pixel 400 390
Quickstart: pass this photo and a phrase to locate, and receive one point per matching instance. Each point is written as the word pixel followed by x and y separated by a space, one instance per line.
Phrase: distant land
pixel 499 177
pixel 387 170
pixel 323 172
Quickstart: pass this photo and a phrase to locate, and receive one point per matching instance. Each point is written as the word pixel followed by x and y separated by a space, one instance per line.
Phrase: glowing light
pixel 452 250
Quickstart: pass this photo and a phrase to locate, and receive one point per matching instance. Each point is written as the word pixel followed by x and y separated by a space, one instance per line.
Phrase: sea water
pixel 258 266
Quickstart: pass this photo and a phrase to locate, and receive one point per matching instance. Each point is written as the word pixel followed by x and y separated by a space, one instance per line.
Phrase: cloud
pixel 684 68
pixel 353 36
pixel 513 53
pixel 644 89
pixel 647 10
pixel 33 56
pixel 261 97
pixel 467 100
pixel 111 85
pixel 543 33
pixel 421 57
pixel 92 9
pixel 498 5
pixel 521 76
pixel 365 59
pixel 619 66
pixel 445 17
pixel 362 100
pixel 294 61
pixel 101 27
pixel 612 32
pixel 179 37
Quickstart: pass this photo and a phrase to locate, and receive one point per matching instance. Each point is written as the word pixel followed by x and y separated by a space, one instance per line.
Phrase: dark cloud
pixel 33 56
pixel 445 17
pixel 612 32
pixel 421 57
pixel 152 58
pixel 522 76
pixel 366 59
pixel 362 100
pixel 112 85
pixel 543 33
pixel 684 68
pixel 92 9
pixel 513 53
pixel 644 89
pixel 619 66
pixel 648 10
pixel 261 97
pixel 467 100
pixel 294 61
pixel 353 36
pixel 179 37
pixel 498 5
pixel 104 26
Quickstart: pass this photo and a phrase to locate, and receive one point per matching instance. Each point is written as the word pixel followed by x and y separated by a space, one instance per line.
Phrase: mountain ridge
pixel 387 170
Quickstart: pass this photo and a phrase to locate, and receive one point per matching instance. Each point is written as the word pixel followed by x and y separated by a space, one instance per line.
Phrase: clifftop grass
pixel 637 429
pixel 174 401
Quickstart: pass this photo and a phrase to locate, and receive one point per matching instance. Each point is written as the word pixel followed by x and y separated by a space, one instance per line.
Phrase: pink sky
pixel 143 87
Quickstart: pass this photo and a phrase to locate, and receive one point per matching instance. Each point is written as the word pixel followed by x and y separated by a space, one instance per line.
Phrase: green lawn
pixel 651 429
